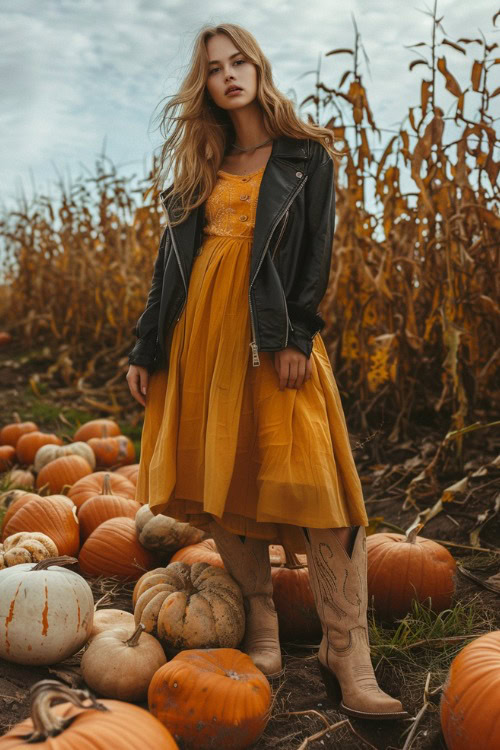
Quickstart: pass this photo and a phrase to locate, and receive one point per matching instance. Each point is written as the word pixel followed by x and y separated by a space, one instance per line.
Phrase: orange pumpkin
pixel 62 473
pixel 469 702
pixel 13 500
pixel 99 428
pixel 130 471
pixel 28 444
pixel 77 724
pixel 114 550
pixel 100 508
pixel 204 551
pixel 54 515
pixel 294 600
pixel 7 456
pixel 93 484
pixel 10 434
pixel 113 451
pixel 211 698
pixel 429 571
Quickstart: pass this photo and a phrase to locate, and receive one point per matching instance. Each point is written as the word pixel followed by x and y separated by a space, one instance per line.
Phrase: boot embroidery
pixel 327 580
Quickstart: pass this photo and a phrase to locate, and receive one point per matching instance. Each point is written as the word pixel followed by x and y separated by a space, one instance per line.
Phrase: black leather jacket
pixel 290 258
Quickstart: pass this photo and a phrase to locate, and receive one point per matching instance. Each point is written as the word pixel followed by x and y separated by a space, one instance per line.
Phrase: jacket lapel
pixel 283 174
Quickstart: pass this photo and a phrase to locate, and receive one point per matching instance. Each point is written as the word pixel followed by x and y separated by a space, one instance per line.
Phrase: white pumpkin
pixel 48 453
pixel 131 658
pixel 46 612
pixel 109 619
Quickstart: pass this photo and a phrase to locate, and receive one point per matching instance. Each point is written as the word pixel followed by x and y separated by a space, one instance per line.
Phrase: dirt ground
pixel 386 473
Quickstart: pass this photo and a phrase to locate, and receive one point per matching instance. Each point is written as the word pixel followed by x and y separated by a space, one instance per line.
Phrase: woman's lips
pixel 234 91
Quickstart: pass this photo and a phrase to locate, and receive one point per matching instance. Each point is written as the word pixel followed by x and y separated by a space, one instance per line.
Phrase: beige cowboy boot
pixel 340 589
pixel 249 564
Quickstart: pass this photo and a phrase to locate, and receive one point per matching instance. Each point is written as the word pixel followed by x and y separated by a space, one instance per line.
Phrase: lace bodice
pixel 230 210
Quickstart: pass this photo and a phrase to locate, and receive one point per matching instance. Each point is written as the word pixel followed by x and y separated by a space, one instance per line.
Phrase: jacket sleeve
pixel 146 328
pixel 313 273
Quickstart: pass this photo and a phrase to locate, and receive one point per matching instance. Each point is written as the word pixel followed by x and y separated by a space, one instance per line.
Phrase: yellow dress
pixel 219 437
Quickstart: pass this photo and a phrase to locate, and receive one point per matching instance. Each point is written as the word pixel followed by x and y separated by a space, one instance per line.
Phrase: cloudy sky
pixel 77 72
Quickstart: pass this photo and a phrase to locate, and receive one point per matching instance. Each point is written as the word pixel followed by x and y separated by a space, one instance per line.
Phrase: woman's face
pixel 229 67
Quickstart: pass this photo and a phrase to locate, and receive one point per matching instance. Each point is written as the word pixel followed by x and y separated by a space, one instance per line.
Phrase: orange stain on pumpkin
pixel 9 617
pixel 78 625
pixel 45 619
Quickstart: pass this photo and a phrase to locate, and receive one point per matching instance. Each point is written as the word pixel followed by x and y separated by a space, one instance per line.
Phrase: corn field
pixel 412 307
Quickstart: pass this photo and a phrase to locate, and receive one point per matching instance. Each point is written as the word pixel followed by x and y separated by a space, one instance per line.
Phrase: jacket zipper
pixel 176 251
pixel 281 234
pixel 253 343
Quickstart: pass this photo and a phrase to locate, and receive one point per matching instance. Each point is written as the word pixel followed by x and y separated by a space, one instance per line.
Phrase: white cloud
pixel 76 71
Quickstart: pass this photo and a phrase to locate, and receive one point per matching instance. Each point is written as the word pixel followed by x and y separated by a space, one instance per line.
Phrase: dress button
pixel 243 217
pixel 298 174
pixel 245 179
pixel 244 197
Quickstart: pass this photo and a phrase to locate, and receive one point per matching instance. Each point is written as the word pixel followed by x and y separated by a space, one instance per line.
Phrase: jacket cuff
pixel 305 326
pixel 145 351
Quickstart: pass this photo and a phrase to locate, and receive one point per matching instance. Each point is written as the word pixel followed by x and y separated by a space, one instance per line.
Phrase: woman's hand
pixel 137 379
pixel 292 366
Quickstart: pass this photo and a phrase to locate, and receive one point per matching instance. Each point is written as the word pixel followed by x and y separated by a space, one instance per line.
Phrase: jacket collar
pixel 283 147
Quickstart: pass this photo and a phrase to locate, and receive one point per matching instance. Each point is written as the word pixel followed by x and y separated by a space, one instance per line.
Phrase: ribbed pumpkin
pixel 100 508
pixel 46 612
pixel 13 500
pixel 113 451
pixel 54 515
pixel 81 725
pixel 205 551
pixel 97 428
pixel 114 550
pixel 211 699
pixel 93 484
pixel 131 471
pixel 190 606
pixel 63 473
pixel 471 695
pixel 402 568
pixel 10 433
pixel 48 453
pixel 7 456
pixel 20 478
pixel 28 444
pixel 292 594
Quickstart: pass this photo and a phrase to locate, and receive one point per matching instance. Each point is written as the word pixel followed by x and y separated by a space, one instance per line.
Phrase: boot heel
pixel 331 683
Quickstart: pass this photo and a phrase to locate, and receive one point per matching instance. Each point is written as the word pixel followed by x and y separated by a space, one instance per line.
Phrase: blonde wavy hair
pixel 202 131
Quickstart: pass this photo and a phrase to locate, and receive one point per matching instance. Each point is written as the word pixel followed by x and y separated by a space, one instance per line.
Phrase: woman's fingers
pixel 293 368
pixel 137 379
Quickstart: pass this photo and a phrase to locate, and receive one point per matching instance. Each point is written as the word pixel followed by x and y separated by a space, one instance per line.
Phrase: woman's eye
pixel 214 69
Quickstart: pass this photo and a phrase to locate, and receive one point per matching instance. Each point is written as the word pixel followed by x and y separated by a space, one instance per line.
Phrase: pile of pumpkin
pixel 179 650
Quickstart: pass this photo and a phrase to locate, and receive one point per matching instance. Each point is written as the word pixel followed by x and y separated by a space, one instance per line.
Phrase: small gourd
pixel 164 534
pixel 26 547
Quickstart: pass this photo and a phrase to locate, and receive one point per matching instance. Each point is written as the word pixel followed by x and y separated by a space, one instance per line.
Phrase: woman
pixel 244 434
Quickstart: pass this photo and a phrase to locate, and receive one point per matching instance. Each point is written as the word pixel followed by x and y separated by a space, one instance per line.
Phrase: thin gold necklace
pixel 251 148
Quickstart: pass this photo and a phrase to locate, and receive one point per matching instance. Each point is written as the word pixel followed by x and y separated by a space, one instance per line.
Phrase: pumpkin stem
pixel 42 695
pixel 106 485
pixel 292 561
pixel 62 560
pixel 134 638
pixel 411 536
